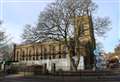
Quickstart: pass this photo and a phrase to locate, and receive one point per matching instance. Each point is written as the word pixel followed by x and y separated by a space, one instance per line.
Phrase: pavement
pixel 48 78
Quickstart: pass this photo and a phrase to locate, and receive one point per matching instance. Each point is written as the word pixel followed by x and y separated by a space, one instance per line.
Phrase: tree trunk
pixel 73 63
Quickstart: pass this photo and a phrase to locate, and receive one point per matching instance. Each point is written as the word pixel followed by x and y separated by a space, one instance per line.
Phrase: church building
pixel 54 55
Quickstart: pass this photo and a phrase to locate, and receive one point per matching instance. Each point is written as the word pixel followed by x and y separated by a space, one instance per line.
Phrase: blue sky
pixel 17 13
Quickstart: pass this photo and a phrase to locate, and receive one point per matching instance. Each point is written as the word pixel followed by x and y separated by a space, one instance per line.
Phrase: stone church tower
pixel 84 34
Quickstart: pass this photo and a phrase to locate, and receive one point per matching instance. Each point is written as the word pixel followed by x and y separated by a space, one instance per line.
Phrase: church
pixel 53 55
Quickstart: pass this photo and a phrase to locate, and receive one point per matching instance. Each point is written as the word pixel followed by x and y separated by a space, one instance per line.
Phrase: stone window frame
pixel 23 55
pixel 82 30
pixel 17 54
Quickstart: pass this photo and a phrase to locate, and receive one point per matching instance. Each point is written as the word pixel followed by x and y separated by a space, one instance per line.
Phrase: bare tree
pixel 101 26
pixel 4 46
pixel 58 22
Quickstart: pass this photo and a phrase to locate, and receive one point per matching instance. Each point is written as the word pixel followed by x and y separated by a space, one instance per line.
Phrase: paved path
pixel 20 78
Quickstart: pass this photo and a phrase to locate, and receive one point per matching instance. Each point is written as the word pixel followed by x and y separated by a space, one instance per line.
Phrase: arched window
pixel 41 57
pixel 60 56
pixel 60 48
pixel 45 53
pixel 37 56
pixel 81 30
pixel 30 55
pixel 23 55
pixel 33 57
pixel 53 52
pixel 49 56
pixel 53 49
pixel 17 54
